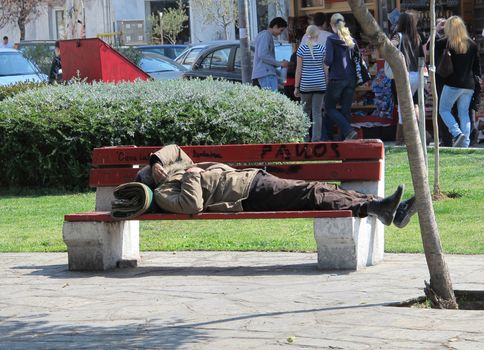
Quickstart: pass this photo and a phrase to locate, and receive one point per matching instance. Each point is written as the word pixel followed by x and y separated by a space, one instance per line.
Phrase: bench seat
pixel 96 241
pixel 105 216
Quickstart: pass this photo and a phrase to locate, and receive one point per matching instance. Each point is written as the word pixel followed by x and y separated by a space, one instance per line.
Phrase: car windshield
pixel 13 63
pixel 152 65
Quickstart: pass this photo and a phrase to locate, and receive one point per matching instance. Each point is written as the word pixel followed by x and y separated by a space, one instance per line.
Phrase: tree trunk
pixel 21 26
pixel 440 280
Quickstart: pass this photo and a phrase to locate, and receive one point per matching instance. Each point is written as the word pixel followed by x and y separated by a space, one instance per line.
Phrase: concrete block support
pixel 95 246
pixel 348 243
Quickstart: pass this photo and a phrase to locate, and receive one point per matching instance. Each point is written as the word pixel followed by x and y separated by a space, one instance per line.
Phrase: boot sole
pixel 406 218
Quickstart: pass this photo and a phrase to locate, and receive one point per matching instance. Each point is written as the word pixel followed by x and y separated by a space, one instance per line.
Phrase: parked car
pixel 190 55
pixel 15 68
pixel 223 61
pixel 160 67
pixel 170 51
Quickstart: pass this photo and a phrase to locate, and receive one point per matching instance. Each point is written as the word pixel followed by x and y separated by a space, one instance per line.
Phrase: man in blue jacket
pixel 265 63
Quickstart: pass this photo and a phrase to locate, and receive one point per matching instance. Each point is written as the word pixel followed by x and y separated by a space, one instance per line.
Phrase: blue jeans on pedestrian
pixel 268 82
pixel 448 98
pixel 342 91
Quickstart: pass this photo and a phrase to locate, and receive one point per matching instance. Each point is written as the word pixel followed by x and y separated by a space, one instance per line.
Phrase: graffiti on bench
pixel 283 152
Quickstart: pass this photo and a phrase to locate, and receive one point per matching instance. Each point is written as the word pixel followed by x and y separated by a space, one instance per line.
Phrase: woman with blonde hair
pixel 458 86
pixel 340 48
pixel 310 84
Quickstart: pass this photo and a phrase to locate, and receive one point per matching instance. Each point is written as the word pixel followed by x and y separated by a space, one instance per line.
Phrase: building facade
pixel 129 20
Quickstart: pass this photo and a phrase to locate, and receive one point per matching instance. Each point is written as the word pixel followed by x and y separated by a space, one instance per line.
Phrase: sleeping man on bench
pixel 180 186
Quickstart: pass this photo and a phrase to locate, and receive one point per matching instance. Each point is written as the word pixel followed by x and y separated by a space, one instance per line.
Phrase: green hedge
pixel 48 134
pixel 13 89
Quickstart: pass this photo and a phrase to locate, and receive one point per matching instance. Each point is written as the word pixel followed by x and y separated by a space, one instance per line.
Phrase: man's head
pixel 319 19
pixel 57 48
pixel 5 40
pixel 277 26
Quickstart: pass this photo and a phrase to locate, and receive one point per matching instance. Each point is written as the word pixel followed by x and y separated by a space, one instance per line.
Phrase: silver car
pixel 160 67
pixel 15 68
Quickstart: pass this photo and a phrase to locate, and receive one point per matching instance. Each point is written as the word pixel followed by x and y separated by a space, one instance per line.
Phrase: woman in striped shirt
pixel 310 83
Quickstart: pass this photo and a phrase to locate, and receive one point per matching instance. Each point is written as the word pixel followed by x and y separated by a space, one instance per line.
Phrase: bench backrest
pixel 347 162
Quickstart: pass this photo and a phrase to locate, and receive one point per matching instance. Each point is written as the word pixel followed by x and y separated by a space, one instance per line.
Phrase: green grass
pixel 33 222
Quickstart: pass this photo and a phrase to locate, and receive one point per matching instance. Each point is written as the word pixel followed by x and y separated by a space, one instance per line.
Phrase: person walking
pixel 342 76
pixel 445 136
pixel 459 86
pixel 409 41
pixel 265 63
pixel 310 83
pixel 55 73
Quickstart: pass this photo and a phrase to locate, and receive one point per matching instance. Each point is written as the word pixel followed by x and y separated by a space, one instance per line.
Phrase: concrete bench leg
pixel 348 243
pixel 94 246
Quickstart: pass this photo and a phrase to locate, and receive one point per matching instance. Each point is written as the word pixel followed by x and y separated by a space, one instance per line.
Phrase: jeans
pixel 342 90
pixel 268 82
pixel 463 97
pixel 313 106
pixel 414 83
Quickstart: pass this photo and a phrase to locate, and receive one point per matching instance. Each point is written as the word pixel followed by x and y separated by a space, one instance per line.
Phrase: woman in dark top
pixel 340 48
pixel 55 74
pixel 459 86
pixel 410 43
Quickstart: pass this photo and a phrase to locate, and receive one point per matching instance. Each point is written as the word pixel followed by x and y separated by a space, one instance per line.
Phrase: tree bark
pixel 440 280
pixel 21 26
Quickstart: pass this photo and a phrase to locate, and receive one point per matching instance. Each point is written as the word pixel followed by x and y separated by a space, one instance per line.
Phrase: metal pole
pixel 421 107
pixel 244 42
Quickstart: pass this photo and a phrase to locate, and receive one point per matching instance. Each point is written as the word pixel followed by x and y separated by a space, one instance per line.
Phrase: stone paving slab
pixel 230 300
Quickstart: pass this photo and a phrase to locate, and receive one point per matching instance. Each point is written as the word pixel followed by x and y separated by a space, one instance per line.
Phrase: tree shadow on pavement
pixel 146 334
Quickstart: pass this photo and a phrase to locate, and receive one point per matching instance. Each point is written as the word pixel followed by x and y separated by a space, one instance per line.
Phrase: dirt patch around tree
pixel 466 299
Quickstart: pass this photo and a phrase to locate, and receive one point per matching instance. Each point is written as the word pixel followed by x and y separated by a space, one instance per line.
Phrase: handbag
pixel 445 67
pixel 387 69
pixel 362 74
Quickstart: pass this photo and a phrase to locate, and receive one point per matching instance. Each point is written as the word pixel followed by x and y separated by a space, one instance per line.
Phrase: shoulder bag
pixel 445 67
pixel 362 74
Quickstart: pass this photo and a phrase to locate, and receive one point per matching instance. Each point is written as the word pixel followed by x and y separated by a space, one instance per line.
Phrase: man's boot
pixel 384 209
pixel 404 213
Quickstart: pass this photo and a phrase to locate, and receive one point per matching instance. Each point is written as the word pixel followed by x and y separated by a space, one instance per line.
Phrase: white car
pixel 15 68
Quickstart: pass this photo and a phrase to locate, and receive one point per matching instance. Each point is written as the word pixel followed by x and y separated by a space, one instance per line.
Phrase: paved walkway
pixel 220 300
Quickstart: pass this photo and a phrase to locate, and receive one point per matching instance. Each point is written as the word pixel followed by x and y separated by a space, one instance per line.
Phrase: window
pixel 60 24
pixel 192 56
pixel 217 60
pixel 238 60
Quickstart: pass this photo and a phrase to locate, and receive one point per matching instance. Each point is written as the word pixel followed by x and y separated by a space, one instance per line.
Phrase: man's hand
pixel 195 169
pixel 158 173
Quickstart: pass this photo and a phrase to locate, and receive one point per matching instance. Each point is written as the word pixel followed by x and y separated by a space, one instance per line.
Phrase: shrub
pixel 11 90
pixel 48 134
pixel 42 55
pixel 131 53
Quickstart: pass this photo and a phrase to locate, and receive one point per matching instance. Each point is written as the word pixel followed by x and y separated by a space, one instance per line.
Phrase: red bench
pixel 97 242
